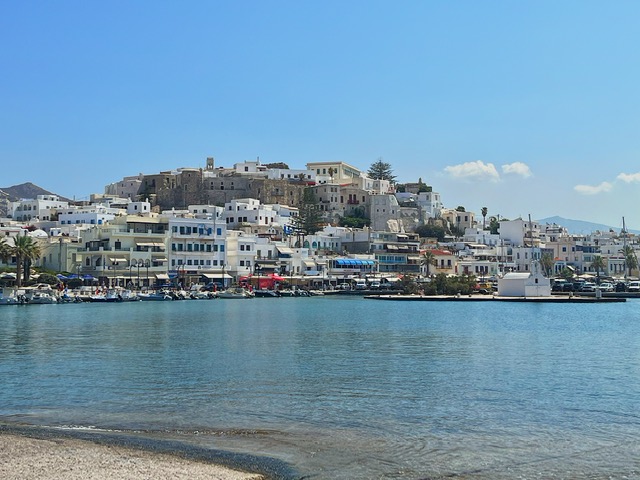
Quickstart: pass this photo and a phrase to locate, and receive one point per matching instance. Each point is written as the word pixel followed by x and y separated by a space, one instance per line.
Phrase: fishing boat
pixel 155 296
pixel 236 292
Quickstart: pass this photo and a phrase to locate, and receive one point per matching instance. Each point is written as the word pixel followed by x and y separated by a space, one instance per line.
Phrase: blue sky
pixel 522 107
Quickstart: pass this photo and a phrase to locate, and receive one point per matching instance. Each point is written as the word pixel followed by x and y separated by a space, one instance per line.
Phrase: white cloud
pixel 593 189
pixel 477 170
pixel 629 177
pixel 517 168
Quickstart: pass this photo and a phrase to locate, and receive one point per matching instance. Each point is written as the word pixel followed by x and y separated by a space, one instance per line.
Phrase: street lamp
pixel 114 264
pixel 147 263
pixel 139 264
pixel 132 262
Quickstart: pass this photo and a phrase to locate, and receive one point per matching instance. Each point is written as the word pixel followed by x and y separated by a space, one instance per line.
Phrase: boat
pixel 155 296
pixel 263 292
pixel 105 296
pixel 236 292
pixel 8 297
pixel 41 294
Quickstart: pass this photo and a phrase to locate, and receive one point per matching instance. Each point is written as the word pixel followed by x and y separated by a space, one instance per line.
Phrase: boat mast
pixel 624 249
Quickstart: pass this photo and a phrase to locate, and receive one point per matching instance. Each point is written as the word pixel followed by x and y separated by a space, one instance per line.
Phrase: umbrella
pixel 277 277
pixel 88 277
pixel 62 277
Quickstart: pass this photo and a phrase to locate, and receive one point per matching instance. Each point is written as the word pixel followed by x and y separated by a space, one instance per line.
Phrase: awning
pixel 117 259
pixel 349 261
pixel 145 244
pixel 213 276
pixel 285 250
pixel 162 276
pixel 309 263
pixel 160 260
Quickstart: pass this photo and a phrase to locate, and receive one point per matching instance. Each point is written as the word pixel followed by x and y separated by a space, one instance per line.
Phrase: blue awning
pixel 348 261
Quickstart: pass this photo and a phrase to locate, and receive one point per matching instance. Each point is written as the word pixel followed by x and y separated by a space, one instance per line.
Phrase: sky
pixel 526 108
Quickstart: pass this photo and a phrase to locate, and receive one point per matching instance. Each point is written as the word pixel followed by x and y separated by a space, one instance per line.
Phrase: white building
pixel 87 215
pixel 385 213
pixel 520 284
pixel 430 203
pixel 197 251
pixel 42 208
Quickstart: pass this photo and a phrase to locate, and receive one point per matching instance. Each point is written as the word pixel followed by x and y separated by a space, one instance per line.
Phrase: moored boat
pixel 236 292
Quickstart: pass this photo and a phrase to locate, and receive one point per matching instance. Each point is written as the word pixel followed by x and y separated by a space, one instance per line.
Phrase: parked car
pixel 588 287
pixel 561 285
pixel 607 287
pixel 633 287
pixel 621 287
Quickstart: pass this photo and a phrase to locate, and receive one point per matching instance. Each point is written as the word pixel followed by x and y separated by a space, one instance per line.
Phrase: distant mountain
pixel 580 227
pixel 17 192
pixel 25 190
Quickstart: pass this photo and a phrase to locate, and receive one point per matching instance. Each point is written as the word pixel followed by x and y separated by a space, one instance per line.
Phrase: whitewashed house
pixel 524 284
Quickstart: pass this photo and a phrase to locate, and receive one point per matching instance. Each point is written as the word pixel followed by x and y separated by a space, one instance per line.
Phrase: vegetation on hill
pixel 381 170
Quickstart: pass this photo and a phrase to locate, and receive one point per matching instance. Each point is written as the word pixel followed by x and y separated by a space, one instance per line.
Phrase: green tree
pixel 428 260
pixel 460 208
pixel 431 231
pixel 566 273
pixel 494 225
pixel 280 165
pixel 598 265
pixel 381 170
pixel 547 262
pixel 48 279
pixel 630 259
pixel 309 219
pixel 484 212
pixel 26 250
pixel 5 250
pixel 357 219
pixel 408 284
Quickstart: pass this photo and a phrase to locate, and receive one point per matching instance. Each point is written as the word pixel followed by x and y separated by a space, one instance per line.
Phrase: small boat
pixel 41 294
pixel 8 297
pixel 108 296
pixel 236 292
pixel 263 292
pixel 154 296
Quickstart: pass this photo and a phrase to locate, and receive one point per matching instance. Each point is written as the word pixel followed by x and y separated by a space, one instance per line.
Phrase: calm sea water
pixel 343 387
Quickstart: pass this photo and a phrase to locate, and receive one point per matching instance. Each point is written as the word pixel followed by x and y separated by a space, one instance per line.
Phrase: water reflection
pixel 343 388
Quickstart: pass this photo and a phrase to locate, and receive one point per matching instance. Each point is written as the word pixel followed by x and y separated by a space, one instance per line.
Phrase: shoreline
pixel 32 453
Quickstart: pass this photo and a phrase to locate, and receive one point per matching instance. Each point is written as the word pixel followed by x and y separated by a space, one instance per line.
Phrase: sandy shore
pixel 26 458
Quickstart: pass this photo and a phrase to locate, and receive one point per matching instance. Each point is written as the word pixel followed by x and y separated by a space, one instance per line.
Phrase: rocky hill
pixel 17 192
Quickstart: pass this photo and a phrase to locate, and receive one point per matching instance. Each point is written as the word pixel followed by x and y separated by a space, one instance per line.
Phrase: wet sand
pixel 27 458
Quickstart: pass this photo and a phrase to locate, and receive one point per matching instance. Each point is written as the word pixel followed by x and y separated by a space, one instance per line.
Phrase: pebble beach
pixel 26 458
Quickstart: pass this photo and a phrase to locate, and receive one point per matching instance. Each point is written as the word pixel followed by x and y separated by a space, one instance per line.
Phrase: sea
pixel 338 387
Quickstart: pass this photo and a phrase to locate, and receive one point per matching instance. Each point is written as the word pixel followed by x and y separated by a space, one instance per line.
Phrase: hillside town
pixel 329 226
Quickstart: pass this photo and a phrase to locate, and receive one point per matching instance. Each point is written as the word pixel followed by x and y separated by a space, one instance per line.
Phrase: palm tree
pixel 630 258
pixel 428 259
pixel 598 264
pixel 547 262
pixel 484 212
pixel 26 250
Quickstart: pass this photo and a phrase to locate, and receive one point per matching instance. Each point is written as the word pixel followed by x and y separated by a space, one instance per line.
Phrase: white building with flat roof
pixel 43 207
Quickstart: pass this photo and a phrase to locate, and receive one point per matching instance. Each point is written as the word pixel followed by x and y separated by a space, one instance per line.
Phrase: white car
pixel 588 287
pixel 607 287
pixel 633 287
